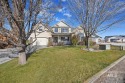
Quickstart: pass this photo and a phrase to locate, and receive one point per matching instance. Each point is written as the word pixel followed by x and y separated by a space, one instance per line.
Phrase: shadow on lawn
pixel 28 55
pixel 30 50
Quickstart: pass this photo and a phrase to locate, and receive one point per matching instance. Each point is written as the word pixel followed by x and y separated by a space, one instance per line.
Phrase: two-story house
pixel 61 33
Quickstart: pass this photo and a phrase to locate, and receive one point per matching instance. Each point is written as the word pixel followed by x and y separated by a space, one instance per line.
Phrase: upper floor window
pixel 40 28
pixel 64 30
pixel 56 30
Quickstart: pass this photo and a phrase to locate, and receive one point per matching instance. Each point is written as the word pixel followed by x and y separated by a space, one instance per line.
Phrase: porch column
pixel 59 39
pixel 70 40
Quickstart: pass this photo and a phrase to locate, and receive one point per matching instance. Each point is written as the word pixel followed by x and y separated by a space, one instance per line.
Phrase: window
pixel 64 38
pixel 55 39
pixel 56 29
pixel 40 28
pixel 64 30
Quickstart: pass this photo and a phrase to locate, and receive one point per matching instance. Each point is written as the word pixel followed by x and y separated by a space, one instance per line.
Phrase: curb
pixel 96 76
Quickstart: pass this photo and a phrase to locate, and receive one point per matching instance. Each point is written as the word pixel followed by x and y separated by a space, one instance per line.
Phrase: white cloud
pixel 63 0
pixel 57 19
pixel 67 14
pixel 62 10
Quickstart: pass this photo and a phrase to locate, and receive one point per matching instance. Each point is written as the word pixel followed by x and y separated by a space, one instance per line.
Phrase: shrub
pixel 81 43
pixel 74 39
pixel 91 43
pixel 50 43
pixel 60 44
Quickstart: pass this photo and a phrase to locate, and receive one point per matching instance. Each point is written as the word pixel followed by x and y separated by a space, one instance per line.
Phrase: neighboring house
pixel 59 33
pixel 116 39
pixel 81 34
pixel 97 39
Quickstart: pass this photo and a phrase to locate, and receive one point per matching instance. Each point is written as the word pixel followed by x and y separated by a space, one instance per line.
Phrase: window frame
pixel 64 30
pixel 56 30
pixel 40 28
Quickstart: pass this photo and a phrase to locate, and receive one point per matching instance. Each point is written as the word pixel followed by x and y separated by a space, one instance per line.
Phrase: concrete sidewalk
pixel 114 73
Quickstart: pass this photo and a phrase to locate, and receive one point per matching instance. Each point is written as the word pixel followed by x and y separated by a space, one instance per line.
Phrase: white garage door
pixel 41 41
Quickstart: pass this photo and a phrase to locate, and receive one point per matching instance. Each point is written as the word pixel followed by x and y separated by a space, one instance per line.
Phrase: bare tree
pixel 22 16
pixel 96 15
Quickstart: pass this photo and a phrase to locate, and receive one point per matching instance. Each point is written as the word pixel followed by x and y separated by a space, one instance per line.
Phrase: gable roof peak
pixel 61 24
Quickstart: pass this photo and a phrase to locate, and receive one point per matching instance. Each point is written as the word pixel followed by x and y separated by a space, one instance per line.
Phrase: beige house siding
pixel 40 37
pixel 42 34
pixel 78 30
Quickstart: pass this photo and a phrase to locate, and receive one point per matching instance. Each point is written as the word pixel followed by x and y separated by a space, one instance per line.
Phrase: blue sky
pixel 117 29
pixel 63 14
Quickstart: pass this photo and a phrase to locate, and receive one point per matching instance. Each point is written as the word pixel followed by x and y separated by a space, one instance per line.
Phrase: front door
pixel 55 40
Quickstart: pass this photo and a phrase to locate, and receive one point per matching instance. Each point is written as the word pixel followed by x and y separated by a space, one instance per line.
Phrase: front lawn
pixel 58 65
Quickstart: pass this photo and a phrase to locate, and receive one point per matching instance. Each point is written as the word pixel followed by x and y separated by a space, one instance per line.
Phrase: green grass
pixel 115 47
pixel 58 65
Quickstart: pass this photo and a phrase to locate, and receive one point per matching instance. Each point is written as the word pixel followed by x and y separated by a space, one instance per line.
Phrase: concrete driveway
pixel 4 60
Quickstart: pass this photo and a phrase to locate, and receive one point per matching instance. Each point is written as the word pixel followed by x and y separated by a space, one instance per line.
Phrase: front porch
pixel 61 38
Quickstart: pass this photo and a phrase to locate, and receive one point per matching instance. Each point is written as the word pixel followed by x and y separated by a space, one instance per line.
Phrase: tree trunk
pixel 22 57
pixel 87 43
